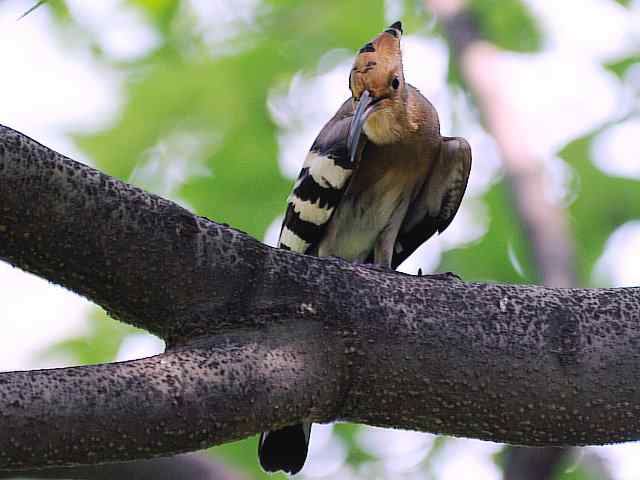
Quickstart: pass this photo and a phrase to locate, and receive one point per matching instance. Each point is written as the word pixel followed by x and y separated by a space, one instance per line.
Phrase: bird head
pixel 377 89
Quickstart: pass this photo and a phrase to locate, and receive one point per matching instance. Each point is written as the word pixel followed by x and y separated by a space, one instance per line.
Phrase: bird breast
pixel 380 189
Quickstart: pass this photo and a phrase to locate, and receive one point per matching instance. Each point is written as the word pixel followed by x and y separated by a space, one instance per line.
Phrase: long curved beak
pixel 359 117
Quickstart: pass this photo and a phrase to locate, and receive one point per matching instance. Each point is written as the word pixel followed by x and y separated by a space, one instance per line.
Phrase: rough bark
pixel 183 467
pixel 260 337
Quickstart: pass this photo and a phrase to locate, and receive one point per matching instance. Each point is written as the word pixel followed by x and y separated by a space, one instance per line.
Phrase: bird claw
pixel 446 276
pixel 440 276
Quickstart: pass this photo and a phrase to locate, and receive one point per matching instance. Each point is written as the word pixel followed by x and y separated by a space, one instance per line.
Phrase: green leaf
pixel 348 433
pixel 227 97
pixel 574 469
pixel 504 249
pixel 603 204
pixel 161 12
pixel 507 23
pixel 620 67
pixel 243 456
pixel 99 345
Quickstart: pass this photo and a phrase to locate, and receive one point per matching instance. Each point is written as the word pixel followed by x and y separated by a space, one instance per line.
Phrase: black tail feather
pixel 284 449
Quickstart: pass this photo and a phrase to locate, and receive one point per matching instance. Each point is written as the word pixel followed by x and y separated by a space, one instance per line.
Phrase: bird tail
pixel 284 449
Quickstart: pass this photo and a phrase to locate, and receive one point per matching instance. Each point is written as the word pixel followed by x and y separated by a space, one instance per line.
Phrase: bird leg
pixel 386 241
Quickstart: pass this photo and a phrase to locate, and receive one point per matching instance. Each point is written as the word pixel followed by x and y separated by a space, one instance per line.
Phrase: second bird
pixel 378 182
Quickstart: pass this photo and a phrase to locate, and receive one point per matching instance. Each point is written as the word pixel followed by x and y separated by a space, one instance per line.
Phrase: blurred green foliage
pixel 507 24
pixel 226 96
pixel 347 433
pixel 216 92
pixel 602 204
pixel 99 344
pixel 621 66
pixel 503 248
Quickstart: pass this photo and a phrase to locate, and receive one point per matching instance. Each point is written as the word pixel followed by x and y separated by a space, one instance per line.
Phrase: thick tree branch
pixel 183 467
pixel 180 401
pixel 261 337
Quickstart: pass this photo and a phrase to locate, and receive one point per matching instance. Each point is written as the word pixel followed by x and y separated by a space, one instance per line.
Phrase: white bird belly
pixel 358 222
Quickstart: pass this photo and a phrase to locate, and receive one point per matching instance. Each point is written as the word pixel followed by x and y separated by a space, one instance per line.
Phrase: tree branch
pixel 260 337
pixel 184 467
pixel 180 401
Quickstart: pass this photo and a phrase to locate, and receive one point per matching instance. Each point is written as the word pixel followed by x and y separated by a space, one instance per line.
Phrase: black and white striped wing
pixel 323 179
pixel 436 205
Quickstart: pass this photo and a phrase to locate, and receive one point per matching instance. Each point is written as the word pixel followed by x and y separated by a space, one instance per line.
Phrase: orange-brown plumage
pixel 376 64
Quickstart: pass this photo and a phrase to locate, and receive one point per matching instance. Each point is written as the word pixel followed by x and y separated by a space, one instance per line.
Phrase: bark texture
pixel 182 467
pixel 259 337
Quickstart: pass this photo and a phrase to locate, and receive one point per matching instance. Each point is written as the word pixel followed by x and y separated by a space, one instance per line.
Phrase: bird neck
pixel 388 125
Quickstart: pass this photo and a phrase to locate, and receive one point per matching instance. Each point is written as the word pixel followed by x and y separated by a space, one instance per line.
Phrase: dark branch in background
pixel 550 463
pixel 534 463
pixel 260 337
pixel 182 467
pixel 543 221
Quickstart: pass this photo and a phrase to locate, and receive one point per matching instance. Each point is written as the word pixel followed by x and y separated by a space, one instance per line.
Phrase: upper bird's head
pixel 378 88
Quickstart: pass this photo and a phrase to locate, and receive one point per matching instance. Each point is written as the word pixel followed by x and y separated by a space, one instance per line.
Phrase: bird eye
pixel 395 83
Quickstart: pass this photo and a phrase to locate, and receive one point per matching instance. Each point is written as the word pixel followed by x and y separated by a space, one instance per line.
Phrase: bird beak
pixel 359 117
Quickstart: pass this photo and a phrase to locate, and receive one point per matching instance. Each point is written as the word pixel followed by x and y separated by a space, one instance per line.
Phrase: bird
pixel 378 181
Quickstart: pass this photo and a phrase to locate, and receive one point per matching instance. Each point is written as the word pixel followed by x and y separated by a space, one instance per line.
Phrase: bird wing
pixel 437 203
pixel 323 179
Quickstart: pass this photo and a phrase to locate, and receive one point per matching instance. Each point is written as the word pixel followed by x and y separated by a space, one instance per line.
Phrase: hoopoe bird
pixel 378 182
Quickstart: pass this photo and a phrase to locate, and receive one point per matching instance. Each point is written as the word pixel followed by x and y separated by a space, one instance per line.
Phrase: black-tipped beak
pixel 359 117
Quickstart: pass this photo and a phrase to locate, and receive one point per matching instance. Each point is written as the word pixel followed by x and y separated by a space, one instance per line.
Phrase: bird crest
pixel 377 62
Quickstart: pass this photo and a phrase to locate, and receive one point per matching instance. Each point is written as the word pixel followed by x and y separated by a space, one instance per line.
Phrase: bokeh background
pixel 214 104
